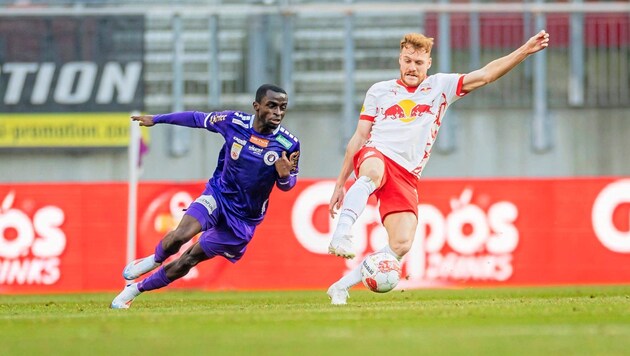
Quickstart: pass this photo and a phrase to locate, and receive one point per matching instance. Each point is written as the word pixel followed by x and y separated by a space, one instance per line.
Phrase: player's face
pixel 270 111
pixel 414 65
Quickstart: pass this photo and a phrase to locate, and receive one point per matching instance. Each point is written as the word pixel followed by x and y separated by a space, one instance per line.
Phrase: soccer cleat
pixel 338 295
pixel 139 267
pixel 341 246
pixel 126 297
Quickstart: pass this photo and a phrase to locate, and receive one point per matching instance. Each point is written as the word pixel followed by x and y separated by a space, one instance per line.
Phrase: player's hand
pixel 284 165
pixel 538 42
pixel 335 201
pixel 145 120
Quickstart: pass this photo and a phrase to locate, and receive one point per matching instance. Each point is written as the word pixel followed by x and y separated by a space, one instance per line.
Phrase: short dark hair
pixel 262 91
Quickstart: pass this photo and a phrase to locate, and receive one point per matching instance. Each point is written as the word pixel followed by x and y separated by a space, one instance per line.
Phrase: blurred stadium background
pixel 563 113
pixel 533 165
pixel 529 184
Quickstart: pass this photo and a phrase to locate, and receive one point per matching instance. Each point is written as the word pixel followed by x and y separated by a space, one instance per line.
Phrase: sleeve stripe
pixel 205 121
pixel 367 118
pixel 460 84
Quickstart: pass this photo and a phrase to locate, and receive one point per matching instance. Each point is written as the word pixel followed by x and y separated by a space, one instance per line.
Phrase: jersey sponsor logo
pixel 243 116
pixel 240 123
pixel 270 157
pixel 255 150
pixel 235 151
pixel 406 111
pixel 283 141
pixel 217 118
pixel 239 140
pixel 208 202
pixel 259 141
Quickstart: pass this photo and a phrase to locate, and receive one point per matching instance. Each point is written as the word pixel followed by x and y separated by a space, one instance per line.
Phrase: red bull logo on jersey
pixel 406 111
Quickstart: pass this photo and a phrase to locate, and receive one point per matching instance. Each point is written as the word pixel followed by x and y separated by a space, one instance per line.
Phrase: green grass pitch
pixel 592 320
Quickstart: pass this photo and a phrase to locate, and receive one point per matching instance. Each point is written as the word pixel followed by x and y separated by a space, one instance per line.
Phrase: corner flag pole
pixel 132 195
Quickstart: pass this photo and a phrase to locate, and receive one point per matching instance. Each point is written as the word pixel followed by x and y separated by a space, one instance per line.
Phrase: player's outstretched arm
pixel 361 135
pixel 144 120
pixel 499 67
pixel 194 119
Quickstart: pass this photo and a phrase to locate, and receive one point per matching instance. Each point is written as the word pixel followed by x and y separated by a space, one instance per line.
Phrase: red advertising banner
pixel 61 237
pixel 72 237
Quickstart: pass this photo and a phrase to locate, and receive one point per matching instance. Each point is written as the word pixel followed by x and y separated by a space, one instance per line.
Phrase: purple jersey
pixel 245 173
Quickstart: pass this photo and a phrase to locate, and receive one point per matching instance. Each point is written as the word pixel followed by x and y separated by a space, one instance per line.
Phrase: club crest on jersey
pixel 425 89
pixel 235 151
pixel 270 158
pixel 406 111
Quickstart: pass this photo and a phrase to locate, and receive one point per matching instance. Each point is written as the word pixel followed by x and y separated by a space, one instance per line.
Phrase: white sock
pixel 353 204
pixel 350 279
pixel 389 250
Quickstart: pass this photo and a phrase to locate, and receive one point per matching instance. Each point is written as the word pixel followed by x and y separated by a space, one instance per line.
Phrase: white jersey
pixel 406 120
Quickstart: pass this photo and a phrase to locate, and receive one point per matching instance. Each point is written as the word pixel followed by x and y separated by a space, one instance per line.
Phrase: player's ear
pixel 430 61
pixel 256 105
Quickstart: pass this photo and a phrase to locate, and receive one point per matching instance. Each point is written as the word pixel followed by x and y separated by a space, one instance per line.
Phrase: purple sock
pixel 160 254
pixel 154 281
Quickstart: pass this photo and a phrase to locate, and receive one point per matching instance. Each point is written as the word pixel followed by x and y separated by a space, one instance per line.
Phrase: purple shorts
pixel 220 237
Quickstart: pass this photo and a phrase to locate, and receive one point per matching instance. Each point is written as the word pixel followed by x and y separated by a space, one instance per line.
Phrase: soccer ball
pixel 380 272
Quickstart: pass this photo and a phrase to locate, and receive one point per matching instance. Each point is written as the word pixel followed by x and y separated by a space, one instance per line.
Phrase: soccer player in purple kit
pixel 258 153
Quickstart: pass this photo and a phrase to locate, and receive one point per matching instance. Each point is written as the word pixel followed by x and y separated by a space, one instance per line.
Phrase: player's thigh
pixel 205 210
pixel 221 240
pixel 189 226
pixel 374 168
pixel 401 230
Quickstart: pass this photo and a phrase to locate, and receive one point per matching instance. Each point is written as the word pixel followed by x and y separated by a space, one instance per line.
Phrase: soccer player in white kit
pixel 397 128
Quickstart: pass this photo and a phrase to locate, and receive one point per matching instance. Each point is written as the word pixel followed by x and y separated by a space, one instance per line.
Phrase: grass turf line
pixel 592 320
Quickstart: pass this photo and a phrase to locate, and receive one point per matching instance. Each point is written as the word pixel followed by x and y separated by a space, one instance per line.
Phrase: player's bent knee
pixel 401 248
pixel 374 176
